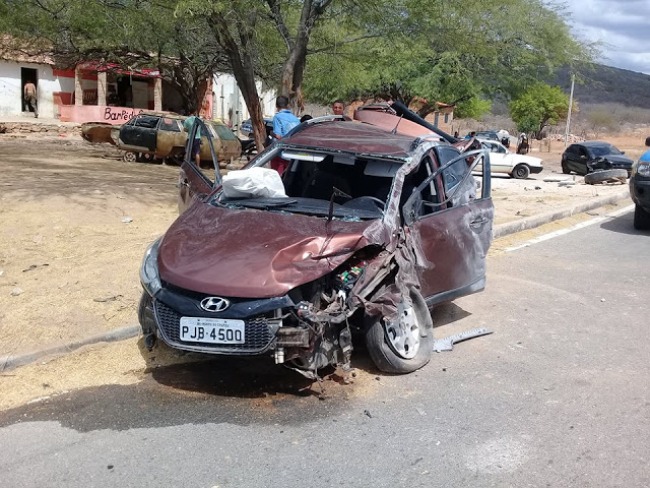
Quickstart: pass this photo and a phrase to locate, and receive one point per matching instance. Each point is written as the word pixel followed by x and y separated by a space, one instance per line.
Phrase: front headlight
pixel 149 276
pixel 642 168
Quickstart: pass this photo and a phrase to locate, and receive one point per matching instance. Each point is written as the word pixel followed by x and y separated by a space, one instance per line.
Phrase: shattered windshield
pixel 343 186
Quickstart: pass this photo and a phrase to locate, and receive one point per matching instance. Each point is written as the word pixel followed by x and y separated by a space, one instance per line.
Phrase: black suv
pixel 640 190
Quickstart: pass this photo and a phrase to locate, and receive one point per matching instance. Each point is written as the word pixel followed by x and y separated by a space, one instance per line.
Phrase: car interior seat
pixel 326 177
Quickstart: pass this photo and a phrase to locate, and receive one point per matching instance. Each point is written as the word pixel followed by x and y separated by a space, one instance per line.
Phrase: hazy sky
pixel 622 26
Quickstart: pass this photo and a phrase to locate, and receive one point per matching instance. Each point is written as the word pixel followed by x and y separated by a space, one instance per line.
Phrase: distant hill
pixel 604 84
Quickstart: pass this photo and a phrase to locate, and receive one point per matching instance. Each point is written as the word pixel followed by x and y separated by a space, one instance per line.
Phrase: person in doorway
pixel 283 120
pixel 196 143
pixel 30 96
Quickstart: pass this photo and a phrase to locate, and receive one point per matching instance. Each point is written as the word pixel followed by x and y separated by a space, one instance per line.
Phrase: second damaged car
pixel 340 230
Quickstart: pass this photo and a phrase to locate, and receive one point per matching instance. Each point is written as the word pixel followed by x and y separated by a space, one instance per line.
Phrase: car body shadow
pixel 623 224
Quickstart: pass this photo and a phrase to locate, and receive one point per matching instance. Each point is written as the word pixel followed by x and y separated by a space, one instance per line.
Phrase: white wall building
pixel 49 82
pixel 228 103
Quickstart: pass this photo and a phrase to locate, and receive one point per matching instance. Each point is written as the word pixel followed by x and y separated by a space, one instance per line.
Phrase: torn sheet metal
pixel 447 343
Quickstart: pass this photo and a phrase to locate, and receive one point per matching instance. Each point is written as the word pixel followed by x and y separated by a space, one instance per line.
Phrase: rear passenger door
pixel 576 161
pixel 452 226
pixel 140 134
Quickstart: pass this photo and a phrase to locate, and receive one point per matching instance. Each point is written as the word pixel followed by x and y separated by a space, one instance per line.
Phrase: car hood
pixel 254 253
pixel 618 159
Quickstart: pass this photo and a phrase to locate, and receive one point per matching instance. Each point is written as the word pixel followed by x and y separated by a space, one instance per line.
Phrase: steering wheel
pixel 358 202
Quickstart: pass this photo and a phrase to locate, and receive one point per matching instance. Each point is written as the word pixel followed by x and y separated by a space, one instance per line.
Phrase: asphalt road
pixel 557 396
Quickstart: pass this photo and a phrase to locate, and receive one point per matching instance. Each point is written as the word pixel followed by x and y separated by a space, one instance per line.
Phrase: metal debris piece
pixel 107 299
pixel 447 343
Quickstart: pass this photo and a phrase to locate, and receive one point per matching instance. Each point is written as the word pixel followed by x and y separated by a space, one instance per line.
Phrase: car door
pixel 451 224
pixel 140 134
pixel 193 183
pixel 577 159
pixel 170 137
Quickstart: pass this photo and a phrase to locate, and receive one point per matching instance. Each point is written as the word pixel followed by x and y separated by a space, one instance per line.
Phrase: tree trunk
pixel 294 67
pixel 243 71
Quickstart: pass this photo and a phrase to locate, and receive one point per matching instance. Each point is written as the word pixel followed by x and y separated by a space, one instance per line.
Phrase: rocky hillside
pixel 605 85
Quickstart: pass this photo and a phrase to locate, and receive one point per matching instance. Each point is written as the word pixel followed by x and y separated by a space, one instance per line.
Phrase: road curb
pixel 12 362
pixel 538 220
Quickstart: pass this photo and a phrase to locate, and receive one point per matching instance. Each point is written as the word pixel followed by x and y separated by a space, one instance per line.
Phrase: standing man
pixel 283 120
pixel 30 96
pixel 196 143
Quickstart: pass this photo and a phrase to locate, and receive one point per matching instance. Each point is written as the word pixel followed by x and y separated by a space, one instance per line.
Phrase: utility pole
pixel 568 118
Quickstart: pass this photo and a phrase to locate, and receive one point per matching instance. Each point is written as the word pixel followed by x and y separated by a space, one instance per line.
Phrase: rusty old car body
pixel 100 132
pixel 371 228
pixel 161 136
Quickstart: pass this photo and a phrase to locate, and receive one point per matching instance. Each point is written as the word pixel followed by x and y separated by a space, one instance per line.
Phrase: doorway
pixel 27 74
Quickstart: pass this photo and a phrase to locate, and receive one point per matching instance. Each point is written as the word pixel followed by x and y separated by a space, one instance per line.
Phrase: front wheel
pixel 565 169
pixel 521 171
pixel 403 342
pixel 641 218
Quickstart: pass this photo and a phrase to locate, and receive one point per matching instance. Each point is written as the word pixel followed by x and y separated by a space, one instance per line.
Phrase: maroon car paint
pixel 254 253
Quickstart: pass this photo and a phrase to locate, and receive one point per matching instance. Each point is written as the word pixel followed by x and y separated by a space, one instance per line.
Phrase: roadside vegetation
pixel 465 53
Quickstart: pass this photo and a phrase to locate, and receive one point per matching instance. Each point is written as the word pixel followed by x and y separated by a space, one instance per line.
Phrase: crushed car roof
pixel 353 137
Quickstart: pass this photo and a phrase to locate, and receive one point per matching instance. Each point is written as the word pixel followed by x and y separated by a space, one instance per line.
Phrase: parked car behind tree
pixel 160 136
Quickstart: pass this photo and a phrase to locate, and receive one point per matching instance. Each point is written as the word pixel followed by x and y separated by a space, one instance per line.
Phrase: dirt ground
pixel 75 221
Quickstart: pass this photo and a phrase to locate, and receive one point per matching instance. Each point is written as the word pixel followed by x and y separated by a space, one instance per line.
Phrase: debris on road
pixel 34 266
pixel 447 343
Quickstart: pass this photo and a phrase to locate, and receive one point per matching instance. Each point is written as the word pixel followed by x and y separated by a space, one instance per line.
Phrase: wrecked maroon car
pixel 340 230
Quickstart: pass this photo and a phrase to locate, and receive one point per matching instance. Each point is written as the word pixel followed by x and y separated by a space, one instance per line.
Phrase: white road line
pixel 581 225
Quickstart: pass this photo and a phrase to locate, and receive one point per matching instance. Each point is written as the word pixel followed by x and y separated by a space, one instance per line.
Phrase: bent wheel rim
pixel 403 332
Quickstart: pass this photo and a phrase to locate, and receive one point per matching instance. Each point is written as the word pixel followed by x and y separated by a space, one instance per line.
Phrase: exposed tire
pixel 641 218
pixel 129 157
pixel 148 158
pixel 145 314
pixel 402 346
pixel 606 175
pixel 521 171
pixel 565 170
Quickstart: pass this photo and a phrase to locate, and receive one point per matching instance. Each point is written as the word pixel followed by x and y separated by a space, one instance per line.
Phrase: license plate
pixel 212 331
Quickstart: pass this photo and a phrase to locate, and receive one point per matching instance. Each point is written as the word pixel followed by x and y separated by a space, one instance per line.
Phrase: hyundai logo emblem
pixel 214 304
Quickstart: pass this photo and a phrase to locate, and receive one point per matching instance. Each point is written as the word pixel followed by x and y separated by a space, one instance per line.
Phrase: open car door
pixel 193 184
pixel 451 226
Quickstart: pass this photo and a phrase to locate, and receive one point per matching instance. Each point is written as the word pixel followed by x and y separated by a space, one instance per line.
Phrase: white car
pixel 503 161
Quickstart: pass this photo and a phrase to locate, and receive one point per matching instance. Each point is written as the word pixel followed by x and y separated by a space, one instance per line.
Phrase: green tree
pixel 538 107
pixel 129 32
pixel 443 50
